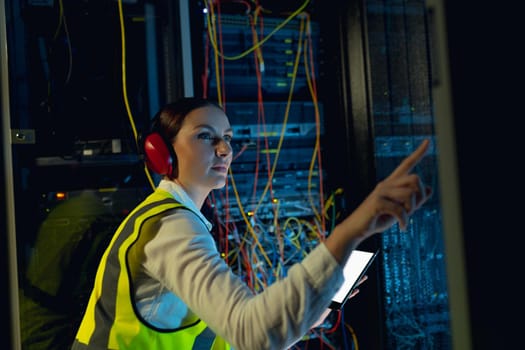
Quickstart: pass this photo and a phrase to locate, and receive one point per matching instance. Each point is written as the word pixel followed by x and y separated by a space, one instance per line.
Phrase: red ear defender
pixel 158 157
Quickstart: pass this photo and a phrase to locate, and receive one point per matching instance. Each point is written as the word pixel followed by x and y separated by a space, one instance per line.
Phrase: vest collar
pixel 182 197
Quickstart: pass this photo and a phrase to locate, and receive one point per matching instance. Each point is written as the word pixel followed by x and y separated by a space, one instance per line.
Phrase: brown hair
pixel 168 122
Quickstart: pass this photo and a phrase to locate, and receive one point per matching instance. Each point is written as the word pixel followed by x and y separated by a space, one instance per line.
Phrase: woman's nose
pixel 223 148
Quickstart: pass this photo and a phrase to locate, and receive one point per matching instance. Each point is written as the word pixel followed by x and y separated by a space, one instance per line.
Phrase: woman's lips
pixel 220 168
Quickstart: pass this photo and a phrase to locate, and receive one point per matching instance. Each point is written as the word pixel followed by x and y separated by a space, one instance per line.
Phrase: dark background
pixel 488 105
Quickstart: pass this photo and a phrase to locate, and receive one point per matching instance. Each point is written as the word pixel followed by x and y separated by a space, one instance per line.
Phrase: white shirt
pixel 183 273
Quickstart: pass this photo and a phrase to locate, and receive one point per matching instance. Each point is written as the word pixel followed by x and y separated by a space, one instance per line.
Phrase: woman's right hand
pixel 393 200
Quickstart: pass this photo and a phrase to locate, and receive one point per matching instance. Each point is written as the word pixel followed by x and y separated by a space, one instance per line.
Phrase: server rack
pixel 73 105
pixel 415 297
pixel 382 53
pixel 378 59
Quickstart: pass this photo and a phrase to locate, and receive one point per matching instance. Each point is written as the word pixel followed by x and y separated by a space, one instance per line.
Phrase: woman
pixel 162 284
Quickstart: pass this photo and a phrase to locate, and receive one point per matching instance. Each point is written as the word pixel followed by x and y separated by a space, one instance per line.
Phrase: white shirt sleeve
pixel 183 258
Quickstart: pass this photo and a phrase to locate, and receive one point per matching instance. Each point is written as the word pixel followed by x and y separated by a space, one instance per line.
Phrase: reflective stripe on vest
pixel 111 296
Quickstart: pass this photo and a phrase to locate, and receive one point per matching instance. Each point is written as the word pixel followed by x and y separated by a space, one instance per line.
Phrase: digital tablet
pixel 353 270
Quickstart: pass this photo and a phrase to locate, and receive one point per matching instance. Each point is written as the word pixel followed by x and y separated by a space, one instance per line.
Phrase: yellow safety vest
pixel 111 320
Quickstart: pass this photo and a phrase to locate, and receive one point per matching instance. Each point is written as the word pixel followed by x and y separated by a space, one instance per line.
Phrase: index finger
pixel 411 161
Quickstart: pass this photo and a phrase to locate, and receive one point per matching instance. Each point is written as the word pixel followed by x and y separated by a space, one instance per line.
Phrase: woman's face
pixel 203 150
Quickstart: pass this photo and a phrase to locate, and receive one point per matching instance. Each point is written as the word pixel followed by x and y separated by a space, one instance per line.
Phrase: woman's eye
pixel 205 136
pixel 209 137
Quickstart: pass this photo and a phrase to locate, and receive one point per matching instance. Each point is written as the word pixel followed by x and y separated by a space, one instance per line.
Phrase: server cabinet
pixel 79 83
pixel 373 66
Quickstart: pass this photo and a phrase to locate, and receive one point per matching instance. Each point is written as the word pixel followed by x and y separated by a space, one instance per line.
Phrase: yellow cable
pixel 212 33
pixel 60 17
pixel 246 221
pixel 124 87
pixel 123 64
pixel 297 234
pixel 354 336
pixel 251 49
pixel 285 121
pixel 317 137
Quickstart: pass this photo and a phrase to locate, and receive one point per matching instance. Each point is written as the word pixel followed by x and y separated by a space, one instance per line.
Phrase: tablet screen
pixel 353 270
